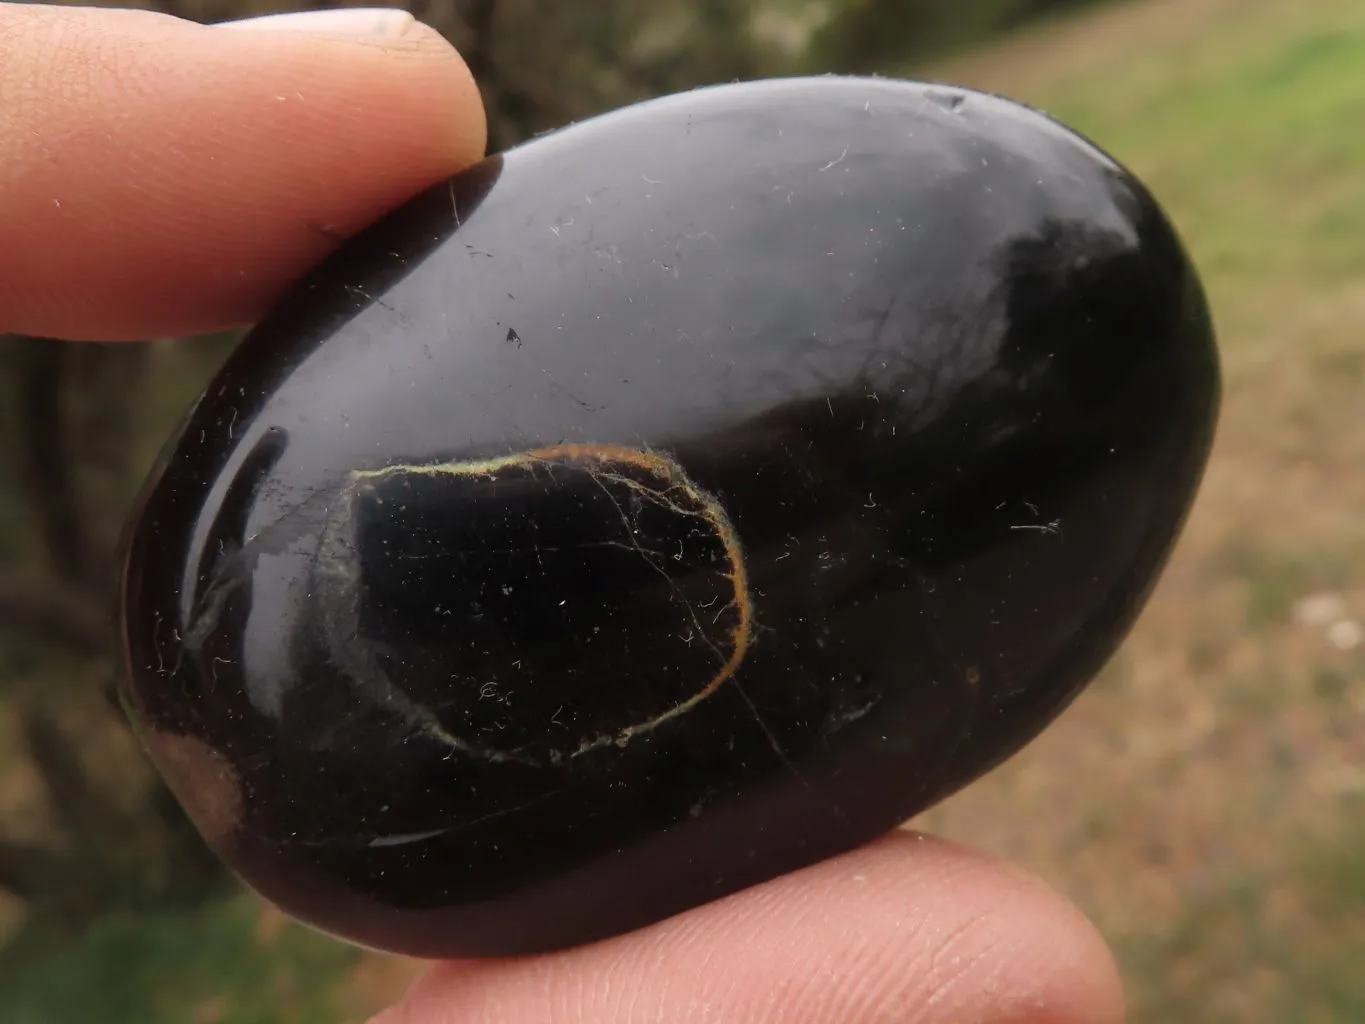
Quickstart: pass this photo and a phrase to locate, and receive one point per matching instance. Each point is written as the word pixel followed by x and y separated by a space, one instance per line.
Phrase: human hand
pixel 159 179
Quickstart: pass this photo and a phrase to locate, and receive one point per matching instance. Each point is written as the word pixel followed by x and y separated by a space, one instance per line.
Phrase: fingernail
pixel 382 22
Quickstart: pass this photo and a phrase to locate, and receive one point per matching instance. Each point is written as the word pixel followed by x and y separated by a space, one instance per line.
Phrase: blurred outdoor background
pixel 1204 801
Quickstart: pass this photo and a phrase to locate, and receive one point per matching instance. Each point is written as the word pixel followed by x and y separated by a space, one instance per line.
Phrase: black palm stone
pixel 669 503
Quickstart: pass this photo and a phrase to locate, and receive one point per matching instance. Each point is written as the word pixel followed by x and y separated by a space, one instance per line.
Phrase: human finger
pixel 161 178
pixel 909 930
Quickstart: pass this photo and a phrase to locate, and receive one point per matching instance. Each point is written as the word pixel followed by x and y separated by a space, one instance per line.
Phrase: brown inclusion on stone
pixel 535 606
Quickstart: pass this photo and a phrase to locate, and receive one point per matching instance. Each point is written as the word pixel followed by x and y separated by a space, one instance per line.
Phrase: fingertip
pixel 165 178
pixel 1054 966
pixel 910 929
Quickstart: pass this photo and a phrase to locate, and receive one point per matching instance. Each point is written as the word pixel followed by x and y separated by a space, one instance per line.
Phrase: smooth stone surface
pixel 677 500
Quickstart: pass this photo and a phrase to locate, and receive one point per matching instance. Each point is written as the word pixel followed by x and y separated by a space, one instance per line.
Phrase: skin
pixel 159 178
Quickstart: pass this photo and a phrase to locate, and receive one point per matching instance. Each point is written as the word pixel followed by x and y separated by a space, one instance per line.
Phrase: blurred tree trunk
pixel 45 468
pixel 73 420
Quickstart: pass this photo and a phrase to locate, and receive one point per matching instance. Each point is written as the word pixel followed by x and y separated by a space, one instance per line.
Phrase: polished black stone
pixel 674 501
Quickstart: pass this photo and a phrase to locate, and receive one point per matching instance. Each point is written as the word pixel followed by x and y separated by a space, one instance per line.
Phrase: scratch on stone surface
pixel 1052 527
pixel 588 406
pixel 404 838
pixel 635 546
pixel 773 741
pixel 837 160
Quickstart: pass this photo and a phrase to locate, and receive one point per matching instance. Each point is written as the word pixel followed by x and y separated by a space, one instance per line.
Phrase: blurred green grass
pixel 1241 116
pixel 1250 141
pixel 215 966
pixel 1282 946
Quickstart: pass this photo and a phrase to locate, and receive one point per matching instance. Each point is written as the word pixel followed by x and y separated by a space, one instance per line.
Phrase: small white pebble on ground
pixel 1320 609
pixel 1345 634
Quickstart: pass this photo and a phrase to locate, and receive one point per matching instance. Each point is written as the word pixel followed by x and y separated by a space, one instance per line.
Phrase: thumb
pixel 159 177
